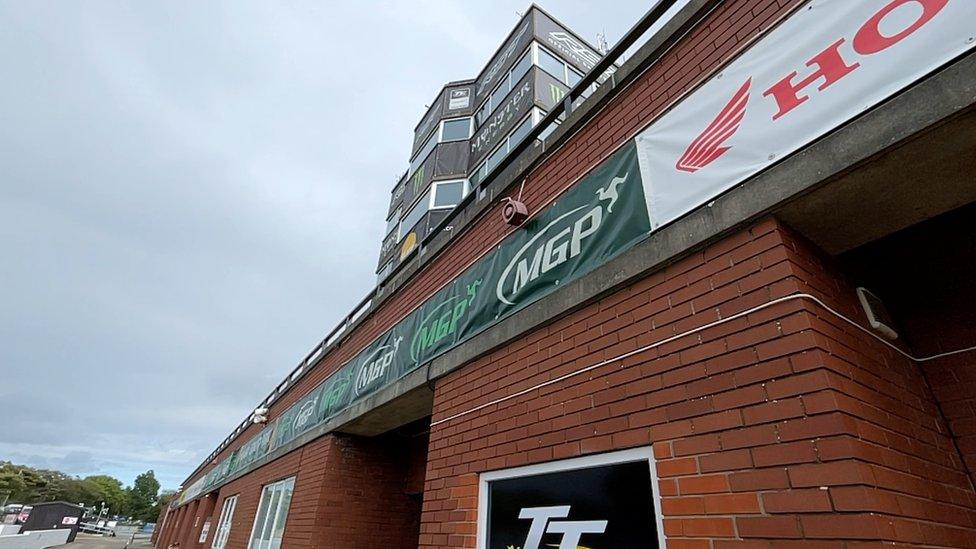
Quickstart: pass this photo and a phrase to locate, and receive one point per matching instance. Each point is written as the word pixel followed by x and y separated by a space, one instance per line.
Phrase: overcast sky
pixel 192 194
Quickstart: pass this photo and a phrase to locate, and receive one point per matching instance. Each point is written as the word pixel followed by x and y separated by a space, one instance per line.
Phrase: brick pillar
pixel 184 537
pixel 359 487
pixel 173 527
pixel 162 523
pixel 786 425
pixel 203 512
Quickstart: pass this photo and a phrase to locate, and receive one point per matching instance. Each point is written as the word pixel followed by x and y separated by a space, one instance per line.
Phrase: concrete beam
pixel 935 101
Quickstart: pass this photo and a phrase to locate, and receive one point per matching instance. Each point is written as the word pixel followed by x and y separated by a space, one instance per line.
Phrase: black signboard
pixel 503 119
pixel 427 124
pixel 606 506
pixel 458 100
pixel 503 60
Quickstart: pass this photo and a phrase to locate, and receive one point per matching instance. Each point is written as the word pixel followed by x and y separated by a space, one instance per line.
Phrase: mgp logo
pixel 562 240
pixel 837 61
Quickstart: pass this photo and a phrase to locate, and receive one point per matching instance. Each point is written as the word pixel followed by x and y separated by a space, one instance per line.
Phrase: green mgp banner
pixel 602 216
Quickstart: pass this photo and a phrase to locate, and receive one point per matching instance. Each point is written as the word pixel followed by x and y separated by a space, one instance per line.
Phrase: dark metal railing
pixel 566 107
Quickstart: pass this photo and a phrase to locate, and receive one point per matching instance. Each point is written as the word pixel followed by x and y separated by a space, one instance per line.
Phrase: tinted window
pixel 416 214
pixel 497 156
pixel 423 152
pixel 478 175
pixel 520 132
pixel 522 67
pixel 448 194
pixel 498 95
pixel 574 77
pixel 552 65
pixel 393 222
pixel 483 113
pixel 456 129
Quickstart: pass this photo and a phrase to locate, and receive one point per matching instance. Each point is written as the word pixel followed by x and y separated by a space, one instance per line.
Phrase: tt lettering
pixel 571 530
pixel 830 66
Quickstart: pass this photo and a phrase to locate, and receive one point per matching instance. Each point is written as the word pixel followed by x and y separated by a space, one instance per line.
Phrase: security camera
pixel 514 212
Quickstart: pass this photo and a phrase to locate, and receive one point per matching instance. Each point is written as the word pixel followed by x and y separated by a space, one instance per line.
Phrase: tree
pixel 142 497
pixel 164 499
pixel 112 492
pixel 23 484
pixel 84 492
pixel 26 484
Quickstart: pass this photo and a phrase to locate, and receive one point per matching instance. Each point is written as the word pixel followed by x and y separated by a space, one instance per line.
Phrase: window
pixel 508 143
pixel 384 272
pixel 423 153
pixel 457 129
pixel 521 67
pixel 416 214
pixel 223 526
pixel 506 83
pixel 483 113
pixel 552 64
pixel 616 488
pixel 519 133
pixel 269 525
pixel 574 76
pixel 447 194
pixel 496 157
pixel 393 222
pixel 499 94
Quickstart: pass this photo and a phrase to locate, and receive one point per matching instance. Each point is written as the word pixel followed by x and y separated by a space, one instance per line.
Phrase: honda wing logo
pixel 838 58
pixel 708 146
pixel 571 530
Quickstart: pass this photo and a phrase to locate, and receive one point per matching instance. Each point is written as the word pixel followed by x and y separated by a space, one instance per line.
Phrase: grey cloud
pixel 192 194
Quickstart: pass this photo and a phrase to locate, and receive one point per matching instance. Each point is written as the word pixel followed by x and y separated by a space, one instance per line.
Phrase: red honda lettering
pixel 830 66
pixel 869 39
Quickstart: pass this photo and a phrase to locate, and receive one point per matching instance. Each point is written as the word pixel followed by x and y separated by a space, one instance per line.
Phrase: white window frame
pixel 224 524
pixel 276 488
pixel 611 458
pixel 433 195
pixel 565 76
pixel 440 130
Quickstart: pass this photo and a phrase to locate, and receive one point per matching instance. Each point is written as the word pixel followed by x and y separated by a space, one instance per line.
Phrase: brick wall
pixel 925 277
pixel 783 425
pixel 363 503
pixel 349 492
pixel 695 56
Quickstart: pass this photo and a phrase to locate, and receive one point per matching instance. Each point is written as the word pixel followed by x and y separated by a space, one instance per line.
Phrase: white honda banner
pixel 825 64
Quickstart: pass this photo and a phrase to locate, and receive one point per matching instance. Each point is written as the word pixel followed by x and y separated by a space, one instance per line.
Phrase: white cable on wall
pixel 696 330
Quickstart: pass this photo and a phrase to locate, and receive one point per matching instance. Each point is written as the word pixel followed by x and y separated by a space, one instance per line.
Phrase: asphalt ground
pixel 87 541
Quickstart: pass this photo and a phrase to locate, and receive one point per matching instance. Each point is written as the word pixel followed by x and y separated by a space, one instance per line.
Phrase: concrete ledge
pixel 928 104
pixel 36 539
pixel 521 164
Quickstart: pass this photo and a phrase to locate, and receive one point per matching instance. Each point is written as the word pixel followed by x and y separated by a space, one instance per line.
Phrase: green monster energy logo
pixel 442 321
pixel 417 179
pixel 556 93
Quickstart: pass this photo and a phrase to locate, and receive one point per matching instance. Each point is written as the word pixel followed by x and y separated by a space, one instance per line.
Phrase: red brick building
pixel 716 378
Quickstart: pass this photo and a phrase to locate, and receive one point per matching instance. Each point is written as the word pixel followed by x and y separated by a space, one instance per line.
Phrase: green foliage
pixel 112 492
pixel 143 496
pixel 27 485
